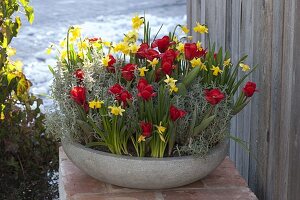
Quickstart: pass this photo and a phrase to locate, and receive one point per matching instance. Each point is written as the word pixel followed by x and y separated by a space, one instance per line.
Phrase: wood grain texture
pixel 269 32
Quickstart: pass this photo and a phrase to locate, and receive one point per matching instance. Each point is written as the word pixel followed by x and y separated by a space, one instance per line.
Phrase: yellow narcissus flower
pixel 48 50
pixel 80 55
pixel 203 67
pixel 244 67
pixel 141 138
pixel 134 48
pixel 105 60
pixel 137 22
pixel 216 70
pixel 227 62
pixel 10 51
pixel 82 45
pixel 180 47
pixel 199 46
pixel 75 33
pixel 199 28
pixel 106 43
pixel 196 62
pixel 170 81
pixel 63 43
pixel 131 37
pixel 142 71
pixel 95 104
pixel 116 110
pixel 173 88
pixel 189 37
pixel 160 128
pixel 122 47
pixel 63 55
pixel 154 62
pixel 18 65
pixel 185 29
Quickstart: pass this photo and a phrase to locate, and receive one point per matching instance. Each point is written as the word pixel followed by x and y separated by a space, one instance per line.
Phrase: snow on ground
pixel 53 19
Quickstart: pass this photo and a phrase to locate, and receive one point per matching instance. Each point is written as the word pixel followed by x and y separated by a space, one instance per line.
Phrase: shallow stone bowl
pixel 144 173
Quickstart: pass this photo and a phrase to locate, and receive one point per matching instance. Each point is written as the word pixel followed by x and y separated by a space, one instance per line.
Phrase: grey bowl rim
pixel 224 143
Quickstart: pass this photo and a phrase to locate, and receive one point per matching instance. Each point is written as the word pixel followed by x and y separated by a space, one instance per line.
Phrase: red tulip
pixel 94 39
pixel 191 51
pixel 176 113
pixel 214 96
pixel 142 84
pixel 110 68
pixel 128 71
pixel 141 53
pixel 150 54
pixel 167 67
pixel 249 89
pixel 146 93
pixel 78 94
pixel 162 44
pixel 169 56
pixel 116 89
pixel 124 97
pixel 146 128
pixel 79 74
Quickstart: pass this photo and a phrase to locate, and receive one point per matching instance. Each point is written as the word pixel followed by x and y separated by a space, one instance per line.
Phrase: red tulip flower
pixel 145 52
pixel 169 56
pixel 146 93
pixel 162 44
pixel 142 84
pixel 79 74
pixel 150 54
pixel 191 51
pixel 167 67
pixel 249 89
pixel 176 113
pixel 94 39
pixel 116 89
pixel 146 129
pixel 128 71
pixel 141 53
pixel 214 96
pixel 110 68
pixel 124 97
pixel 78 94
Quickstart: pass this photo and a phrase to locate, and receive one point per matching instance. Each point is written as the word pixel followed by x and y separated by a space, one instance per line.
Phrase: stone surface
pixel 224 183
pixel 144 173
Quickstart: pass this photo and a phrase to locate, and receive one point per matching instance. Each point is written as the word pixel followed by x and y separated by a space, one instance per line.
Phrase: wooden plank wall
pixel 269 32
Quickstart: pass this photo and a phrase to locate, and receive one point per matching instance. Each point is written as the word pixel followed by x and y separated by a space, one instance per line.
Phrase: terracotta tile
pixel 195 185
pixel 118 189
pixel 210 194
pixel 121 196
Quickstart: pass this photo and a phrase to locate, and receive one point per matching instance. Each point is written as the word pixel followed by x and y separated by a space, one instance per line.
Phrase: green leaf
pixel 191 76
pixel 91 144
pixel 204 124
pixel 51 70
pixel 193 122
pixel 171 132
pixel 181 89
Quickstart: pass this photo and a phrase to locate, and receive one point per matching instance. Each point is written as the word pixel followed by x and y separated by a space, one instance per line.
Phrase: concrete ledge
pixel 224 183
